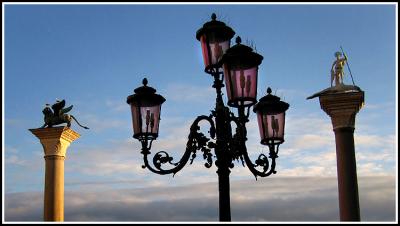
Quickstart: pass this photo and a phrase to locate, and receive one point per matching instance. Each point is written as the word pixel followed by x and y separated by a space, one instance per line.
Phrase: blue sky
pixel 93 56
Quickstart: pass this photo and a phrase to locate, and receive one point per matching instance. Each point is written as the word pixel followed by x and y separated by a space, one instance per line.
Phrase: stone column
pixel 342 107
pixel 55 142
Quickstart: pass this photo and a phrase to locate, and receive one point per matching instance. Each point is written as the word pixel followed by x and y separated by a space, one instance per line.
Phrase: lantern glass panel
pixel 146 121
pixel 213 50
pixel 271 127
pixel 241 85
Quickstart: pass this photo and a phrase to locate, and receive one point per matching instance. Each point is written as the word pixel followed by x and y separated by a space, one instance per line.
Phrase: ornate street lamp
pixel 240 66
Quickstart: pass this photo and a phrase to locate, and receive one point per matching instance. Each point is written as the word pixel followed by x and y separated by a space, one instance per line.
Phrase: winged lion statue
pixel 57 114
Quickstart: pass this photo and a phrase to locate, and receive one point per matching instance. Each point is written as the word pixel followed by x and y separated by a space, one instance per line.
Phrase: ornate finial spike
pixel 213 16
pixel 269 90
pixel 145 81
pixel 238 40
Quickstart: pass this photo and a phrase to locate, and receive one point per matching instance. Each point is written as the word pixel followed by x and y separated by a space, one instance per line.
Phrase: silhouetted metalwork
pixel 226 141
pixel 57 114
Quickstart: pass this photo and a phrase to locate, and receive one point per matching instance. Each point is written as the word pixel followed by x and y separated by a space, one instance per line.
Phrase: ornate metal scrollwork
pixel 233 147
pixel 196 141
pixel 162 157
pixel 262 161
pixel 240 150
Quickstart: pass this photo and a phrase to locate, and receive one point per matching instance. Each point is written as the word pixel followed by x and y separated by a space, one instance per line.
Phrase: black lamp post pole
pixel 223 161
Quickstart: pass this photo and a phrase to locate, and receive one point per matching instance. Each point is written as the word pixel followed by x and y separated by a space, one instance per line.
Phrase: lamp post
pixel 240 69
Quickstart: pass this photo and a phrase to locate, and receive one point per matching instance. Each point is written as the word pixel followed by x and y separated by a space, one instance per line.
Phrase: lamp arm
pixel 240 141
pixel 196 141
pixel 263 161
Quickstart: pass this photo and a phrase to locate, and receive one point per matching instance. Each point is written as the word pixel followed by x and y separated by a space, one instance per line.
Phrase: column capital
pixel 342 107
pixel 55 140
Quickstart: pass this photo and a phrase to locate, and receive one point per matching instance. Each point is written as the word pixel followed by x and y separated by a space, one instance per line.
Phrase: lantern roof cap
pixel 270 104
pixel 216 26
pixel 145 93
pixel 145 89
pixel 241 54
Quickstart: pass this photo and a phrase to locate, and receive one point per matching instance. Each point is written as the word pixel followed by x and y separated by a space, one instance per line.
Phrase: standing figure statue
pixel 337 70
pixel 58 115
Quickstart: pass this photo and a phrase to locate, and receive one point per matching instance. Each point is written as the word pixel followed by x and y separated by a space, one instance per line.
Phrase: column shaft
pixel 347 174
pixel 54 189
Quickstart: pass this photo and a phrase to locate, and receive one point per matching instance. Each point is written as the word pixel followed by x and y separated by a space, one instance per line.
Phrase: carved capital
pixel 342 107
pixel 55 140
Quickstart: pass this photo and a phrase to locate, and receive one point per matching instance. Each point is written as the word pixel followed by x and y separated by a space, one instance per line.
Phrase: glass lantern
pixel 146 108
pixel 240 66
pixel 271 118
pixel 215 38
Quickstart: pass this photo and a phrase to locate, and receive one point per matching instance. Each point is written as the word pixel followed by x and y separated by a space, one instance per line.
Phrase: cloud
pixel 313 141
pixel 309 150
pixel 184 93
pixel 14 159
pixel 117 105
pixel 99 124
pixel 373 140
pixel 13 122
pixel 268 199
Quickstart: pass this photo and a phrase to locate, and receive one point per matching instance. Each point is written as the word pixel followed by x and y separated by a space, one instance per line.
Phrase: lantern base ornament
pixel 55 141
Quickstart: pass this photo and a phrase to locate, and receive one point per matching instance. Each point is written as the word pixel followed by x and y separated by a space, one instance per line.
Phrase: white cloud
pixel 14 159
pixel 309 150
pixel 183 93
pixel 375 141
pixel 274 200
pixel 117 105
pixel 98 124
pixel 309 171
pixel 10 150
pixel 313 141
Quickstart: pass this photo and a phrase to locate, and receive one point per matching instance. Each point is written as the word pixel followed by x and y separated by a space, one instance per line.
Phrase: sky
pixel 94 56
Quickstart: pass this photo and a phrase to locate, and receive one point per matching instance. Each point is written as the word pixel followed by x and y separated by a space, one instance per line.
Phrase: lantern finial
pixel 238 40
pixel 269 90
pixel 213 16
pixel 145 81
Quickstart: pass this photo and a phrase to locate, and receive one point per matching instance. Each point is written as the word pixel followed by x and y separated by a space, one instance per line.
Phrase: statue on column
pixel 57 115
pixel 337 74
pixel 337 70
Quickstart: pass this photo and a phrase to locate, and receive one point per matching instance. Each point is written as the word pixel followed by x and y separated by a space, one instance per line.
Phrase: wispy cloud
pixel 97 124
pixel 13 156
pixel 184 93
pixel 309 150
pixel 14 159
pixel 272 199
pixel 117 105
